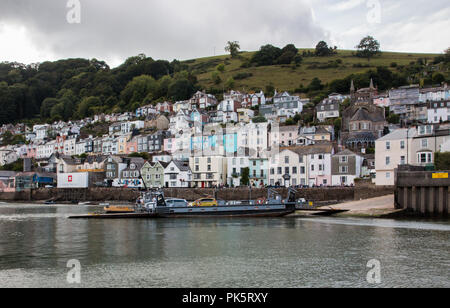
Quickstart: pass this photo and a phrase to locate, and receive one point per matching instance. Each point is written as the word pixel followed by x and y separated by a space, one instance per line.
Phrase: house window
pixel 402 160
pixel 294 170
pixel 424 143
pixel 388 145
pixel 402 145
pixel 424 158
pixel 286 160
pixel 344 159
pixel 388 160
pixel 343 169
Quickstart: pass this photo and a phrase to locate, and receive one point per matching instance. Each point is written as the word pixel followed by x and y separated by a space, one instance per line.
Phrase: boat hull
pixel 201 212
pixel 227 211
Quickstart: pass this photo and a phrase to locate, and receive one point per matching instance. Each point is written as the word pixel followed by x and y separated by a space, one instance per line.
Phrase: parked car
pixel 176 203
pixel 205 202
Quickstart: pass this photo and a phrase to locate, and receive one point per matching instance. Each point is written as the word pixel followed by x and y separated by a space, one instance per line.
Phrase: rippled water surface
pixel 37 241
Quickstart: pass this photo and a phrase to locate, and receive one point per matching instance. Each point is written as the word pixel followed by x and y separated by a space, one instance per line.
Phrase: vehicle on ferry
pixel 172 202
pixel 206 202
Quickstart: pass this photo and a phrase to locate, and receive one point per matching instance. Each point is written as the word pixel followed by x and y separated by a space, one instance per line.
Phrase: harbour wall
pixel 325 194
pixel 423 193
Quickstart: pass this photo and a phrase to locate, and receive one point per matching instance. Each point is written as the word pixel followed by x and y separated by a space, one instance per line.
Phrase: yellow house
pixel 122 144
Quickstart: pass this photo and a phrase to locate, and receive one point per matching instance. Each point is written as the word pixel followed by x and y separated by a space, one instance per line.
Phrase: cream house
pixel 390 152
pixel 208 171
pixel 414 146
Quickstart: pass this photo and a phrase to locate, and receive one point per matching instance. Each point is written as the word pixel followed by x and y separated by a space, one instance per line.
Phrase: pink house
pixel 132 146
pixel 164 107
pixel 284 136
pixel 169 145
pixel 31 151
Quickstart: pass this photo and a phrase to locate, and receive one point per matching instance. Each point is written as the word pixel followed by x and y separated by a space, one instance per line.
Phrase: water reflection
pixel 36 242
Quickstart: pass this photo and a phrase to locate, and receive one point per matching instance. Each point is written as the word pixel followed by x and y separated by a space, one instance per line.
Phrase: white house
pixel 327 109
pixel 346 167
pixel 70 145
pixel 127 127
pixel 180 122
pixel 235 167
pixel 438 112
pixel 177 174
pixel 7 156
pixel 80 147
pixel 41 131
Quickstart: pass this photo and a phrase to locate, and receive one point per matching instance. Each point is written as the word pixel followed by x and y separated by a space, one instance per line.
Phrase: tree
pixel 442 161
pixel 438 78
pixel 215 76
pixel 259 119
pixel 322 49
pixel 245 177
pixel 47 106
pixel 368 48
pixel 233 48
pixel 447 55
pixel 138 89
pixel 315 85
pixel 181 89
pixel 221 67
pixel 85 108
pixel 267 55
pixel 288 54
pixel 230 83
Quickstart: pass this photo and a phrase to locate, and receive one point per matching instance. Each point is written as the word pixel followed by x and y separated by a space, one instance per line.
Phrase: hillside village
pixel 245 139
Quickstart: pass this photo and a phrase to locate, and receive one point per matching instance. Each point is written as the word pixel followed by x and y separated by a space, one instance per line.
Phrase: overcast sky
pixel 113 30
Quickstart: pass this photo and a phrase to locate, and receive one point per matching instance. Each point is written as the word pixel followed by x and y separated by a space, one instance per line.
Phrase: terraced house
pixel 302 165
pixel 208 171
pixel 153 174
pixel 258 171
pixel 130 177
pixel 177 174
pixel 346 167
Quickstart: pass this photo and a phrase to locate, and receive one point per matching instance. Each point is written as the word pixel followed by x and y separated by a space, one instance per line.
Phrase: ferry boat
pixel 154 203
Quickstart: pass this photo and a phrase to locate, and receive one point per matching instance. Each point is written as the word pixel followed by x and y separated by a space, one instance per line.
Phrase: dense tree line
pixel 76 88
pixel 271 55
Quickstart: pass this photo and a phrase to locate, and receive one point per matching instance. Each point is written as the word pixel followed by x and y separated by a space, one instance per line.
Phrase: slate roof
pixel 311 149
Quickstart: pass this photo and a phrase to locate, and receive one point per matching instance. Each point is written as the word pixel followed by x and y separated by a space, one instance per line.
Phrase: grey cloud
pixel 162 29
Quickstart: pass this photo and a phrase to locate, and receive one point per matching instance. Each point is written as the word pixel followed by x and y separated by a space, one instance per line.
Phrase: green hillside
pixel 289 77
pixel 79 88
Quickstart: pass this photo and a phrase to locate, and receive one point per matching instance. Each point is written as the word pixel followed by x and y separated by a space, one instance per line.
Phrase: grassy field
pixel 289 77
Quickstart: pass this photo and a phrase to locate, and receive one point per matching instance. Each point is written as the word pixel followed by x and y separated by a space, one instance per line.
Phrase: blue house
pixel 31 180
pixel 258 171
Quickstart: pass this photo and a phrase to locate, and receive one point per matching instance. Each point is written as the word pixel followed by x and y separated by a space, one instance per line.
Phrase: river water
pixel 37 241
